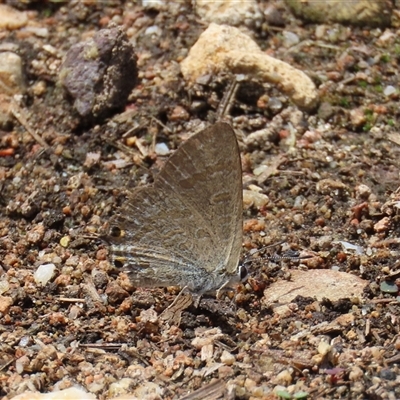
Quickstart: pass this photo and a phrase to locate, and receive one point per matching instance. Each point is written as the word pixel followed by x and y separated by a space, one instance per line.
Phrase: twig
pixel 18 115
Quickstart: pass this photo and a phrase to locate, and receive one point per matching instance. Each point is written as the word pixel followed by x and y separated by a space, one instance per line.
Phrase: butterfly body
pixel 186 228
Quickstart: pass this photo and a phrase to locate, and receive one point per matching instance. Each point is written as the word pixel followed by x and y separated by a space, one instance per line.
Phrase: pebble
pixel 12 77
pixel 121 387
pixel 388 374
pixel 363 191
pixel 222 48
pixel 72 393
pixel 324 348
pixel 283 378
pixel 230 12
pixel 10 18
pixel 356 374
pixel 44 273
pixel 357 117
pixel 227 358
pixel 389 90
pixel 161 149
pixel 389 287
pixel 290 39
pixel 98 88
pixel 148 390
pixel 254 199
pixel 358 12
pixel 382 225
pixel 5 303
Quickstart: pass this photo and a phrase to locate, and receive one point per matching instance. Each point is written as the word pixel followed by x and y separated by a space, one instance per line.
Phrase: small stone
pixel 283 378
pixel 326 111
pixel 273 16
pixel 330 186
pixel 290 39
pixel 388 374
pixel 389 90
pixel 356 374
pixel 363 191
pixel 254 199
pixel 115 293
pixel 4 286
pixel 65 241
pixel 10 18
pixel 122 387
pixel 275 105
pixel 57 318
pixel 389 287
pixel 179 114
pixel 365 13
pixel 148 390
pixel 161 149
pixel 227 358
pixel 5 303
pixel 357 117
pixel 44 273
pixel 21 363
pixel 12 79
pixel 225 371
pixel 324 348
pixel 230 12
pixel 249 384
pixel 382 225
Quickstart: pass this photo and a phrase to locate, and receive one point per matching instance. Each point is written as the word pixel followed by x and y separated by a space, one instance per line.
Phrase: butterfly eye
pixel 243 273
pixel 118 264
pixel 116 231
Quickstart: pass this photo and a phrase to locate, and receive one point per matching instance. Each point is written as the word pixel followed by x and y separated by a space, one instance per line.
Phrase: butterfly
pixel 185 229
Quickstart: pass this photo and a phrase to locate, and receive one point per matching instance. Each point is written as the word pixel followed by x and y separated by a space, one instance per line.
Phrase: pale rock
pixel 389 90
pixel 317 283
pixel 283 378
pixel 230 12
pixel 148 391
pixel 6 117
pixel 222 48
pixel 122 387
pixel 4 285
pixel 161 149
pixel 324 348
pixel 227 358
pixel 11 75
pixel 44 273
pixel 5 303
pixel 254 199
pixel 66 394
pixel 356 374
pixel 382 225
pixel 10 18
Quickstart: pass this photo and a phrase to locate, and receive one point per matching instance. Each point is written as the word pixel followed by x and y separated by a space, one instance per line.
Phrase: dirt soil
pixel 331 177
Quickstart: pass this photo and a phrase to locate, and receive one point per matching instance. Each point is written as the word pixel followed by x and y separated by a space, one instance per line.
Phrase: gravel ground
pixel 321 182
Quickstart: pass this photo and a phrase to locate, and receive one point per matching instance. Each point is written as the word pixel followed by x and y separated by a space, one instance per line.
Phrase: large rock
pixel 222 48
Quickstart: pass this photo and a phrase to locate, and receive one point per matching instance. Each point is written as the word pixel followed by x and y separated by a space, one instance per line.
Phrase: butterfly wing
pixel 186 228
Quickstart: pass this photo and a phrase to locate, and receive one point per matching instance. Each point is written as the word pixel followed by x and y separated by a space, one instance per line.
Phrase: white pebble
pixel 161 149
pixel 389 90
pixel 44 273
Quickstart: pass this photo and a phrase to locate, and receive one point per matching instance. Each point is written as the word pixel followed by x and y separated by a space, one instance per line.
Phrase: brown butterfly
pixel 186 228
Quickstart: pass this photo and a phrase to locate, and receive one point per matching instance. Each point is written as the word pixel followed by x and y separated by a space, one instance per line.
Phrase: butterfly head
pixel 243 273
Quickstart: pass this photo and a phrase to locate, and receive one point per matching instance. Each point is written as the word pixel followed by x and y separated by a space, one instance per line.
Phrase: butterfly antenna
pixel 289 255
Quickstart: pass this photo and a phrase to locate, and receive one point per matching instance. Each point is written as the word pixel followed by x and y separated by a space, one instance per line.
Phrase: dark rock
pixel 100 73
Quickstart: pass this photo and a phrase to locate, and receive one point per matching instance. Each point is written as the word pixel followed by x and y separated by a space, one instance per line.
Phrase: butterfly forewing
pixel 186 228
